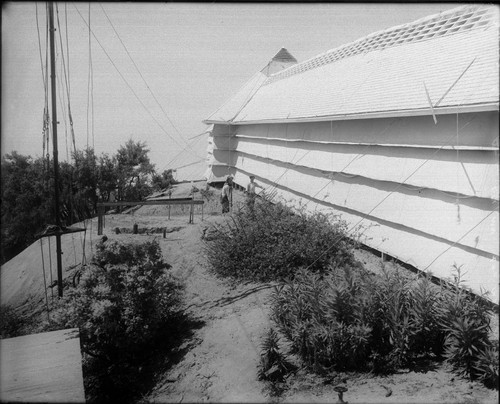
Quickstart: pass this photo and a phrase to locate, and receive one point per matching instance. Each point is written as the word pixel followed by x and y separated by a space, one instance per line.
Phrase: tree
pixel 163 181
pixel 26 201
pixel 107 176
pixel 134 171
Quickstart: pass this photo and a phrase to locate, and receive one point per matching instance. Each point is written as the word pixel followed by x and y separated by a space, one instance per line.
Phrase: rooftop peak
pixel 284 56
pixel 282 60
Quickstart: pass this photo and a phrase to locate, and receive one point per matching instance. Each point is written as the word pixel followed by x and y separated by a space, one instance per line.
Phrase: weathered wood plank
pixel 156 202
pixel 44 367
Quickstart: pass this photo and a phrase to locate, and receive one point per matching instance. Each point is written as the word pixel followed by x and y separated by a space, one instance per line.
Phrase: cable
pixel 142 77
pixel 45 282
pixel 387 196
pixel 456 242
pixel 66 75
pixel 126 82
pixel 90 86
pixel 194 140
pixel 40 47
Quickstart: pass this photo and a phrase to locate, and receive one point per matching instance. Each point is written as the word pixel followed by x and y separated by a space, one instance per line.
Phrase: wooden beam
pixel 158 202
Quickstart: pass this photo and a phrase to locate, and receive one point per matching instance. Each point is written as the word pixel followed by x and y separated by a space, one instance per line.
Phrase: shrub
pixel 11 323
pixel 466 320
pixel 272 242
pixel 273 363
pixel 465 340
pixel 351 320
pixel 323 320
pixel 486 366
pixel 123 303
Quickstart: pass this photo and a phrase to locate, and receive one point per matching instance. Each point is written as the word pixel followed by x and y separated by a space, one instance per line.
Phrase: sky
pixel 152 72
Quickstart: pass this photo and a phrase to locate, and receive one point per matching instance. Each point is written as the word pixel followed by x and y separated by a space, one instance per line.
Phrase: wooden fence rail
pixel 179 201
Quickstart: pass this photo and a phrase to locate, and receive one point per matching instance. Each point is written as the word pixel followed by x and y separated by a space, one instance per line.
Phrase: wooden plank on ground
pixel 44 367
pixel 155 202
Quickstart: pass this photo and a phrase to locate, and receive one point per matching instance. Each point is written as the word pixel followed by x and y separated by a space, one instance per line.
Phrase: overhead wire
pixel 126 82
pixel 390 193
pixel 193 140
pixel 45 282
pixel 66 71
pixel 460 239
pixel 144 80
pixel 90 86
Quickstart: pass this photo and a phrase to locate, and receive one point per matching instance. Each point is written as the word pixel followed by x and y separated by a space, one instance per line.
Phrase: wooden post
pixel 100 214
pixel 191 213
pixel 54 140
pixel 169 197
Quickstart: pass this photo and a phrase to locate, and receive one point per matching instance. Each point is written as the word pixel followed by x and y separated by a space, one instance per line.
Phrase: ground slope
pixel 222 360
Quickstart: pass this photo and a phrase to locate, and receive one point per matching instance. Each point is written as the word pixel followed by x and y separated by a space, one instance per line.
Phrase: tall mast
pixel 54 140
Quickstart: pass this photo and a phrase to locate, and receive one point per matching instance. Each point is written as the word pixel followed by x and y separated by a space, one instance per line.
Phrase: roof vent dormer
pixel 282 60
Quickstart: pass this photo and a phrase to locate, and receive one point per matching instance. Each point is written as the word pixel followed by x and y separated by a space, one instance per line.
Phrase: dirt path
pixel 221 367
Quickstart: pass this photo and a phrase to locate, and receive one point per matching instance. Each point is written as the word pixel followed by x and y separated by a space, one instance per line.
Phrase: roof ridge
pixel 284 55
pixel 448 22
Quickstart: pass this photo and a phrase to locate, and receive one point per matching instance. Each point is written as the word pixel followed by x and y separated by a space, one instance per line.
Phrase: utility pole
pixel 54 140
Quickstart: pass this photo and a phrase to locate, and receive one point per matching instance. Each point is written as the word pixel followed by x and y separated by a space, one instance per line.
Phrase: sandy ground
pixel 221 364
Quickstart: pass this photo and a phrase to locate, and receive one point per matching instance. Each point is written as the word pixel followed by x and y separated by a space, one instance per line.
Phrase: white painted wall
pixel 426 194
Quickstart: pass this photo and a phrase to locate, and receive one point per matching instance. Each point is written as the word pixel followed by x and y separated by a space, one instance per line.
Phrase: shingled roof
pixel 448 60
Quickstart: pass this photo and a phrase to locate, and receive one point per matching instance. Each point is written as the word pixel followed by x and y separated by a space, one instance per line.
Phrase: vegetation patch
pixel 351 320
pixel 272 241
pixel 127 307
pixel 338 317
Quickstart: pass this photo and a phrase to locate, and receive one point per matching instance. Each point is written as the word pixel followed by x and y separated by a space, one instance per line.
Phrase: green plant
pixel 425 300
pixel 123 305
pixel 486 366
pixel 348 319
pixel 11 323
pixel 272 241
pixel 273 363
pixel 323 319
pixel 465 340
pixel 465 319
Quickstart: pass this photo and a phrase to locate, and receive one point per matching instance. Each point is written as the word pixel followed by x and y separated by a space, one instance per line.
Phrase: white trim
pixel 494 106
pixel 413 146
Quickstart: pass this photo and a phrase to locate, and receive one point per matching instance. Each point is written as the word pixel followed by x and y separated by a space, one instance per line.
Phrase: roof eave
pixel 486 107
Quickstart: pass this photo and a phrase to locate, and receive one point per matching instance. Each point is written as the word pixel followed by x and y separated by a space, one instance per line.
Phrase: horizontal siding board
pixel 425 211
pixel 473 173
pixel 474 130
pixel 479 273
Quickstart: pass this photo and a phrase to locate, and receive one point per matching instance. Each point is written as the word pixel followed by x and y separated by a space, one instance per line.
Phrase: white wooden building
pixel 397 132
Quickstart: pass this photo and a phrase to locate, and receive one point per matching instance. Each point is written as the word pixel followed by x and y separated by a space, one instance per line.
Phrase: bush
pixel 11 323
pixel 273 364
pixel 351 320
pixel 486 366
pixel 271 242
pixel 123 303
pixel 466 321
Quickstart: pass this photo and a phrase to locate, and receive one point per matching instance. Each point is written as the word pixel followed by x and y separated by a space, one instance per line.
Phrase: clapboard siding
pixel 424 210
pixel 399 135
pixel 472 173
pixel 440 196
pixel 475 130
pixel 432 255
